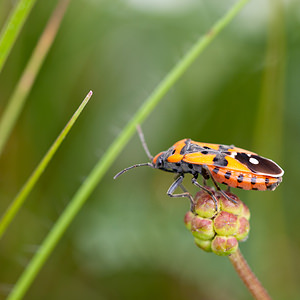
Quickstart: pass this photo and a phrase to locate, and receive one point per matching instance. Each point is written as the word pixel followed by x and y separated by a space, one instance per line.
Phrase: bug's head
pixel 160 161
pixel 164 160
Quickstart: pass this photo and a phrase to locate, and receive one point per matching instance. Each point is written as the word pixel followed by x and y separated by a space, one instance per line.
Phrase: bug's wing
pixel 258 164
pixel 205 145
pixel 220 147
pixel 240 161
pixel 213 160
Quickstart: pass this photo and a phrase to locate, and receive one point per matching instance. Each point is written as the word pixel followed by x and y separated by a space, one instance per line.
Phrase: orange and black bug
pixel 229 165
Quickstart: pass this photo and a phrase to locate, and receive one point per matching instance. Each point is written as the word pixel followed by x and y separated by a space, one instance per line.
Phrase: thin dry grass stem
pixel 23 88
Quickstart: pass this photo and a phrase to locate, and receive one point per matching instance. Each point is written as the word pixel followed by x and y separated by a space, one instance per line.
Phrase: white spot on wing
pixel 233 154
pixel 253 161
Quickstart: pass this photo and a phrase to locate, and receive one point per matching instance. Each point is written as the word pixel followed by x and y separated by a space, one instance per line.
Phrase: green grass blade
pixel 110 155
pixel 17 100
pixel 13 27
pixel 28 186
pixel 271 113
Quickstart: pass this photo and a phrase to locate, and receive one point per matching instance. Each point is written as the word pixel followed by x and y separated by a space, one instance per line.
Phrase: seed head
pixel 218 230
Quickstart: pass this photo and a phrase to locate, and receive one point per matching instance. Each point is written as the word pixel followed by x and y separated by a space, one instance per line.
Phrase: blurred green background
pixel 129 240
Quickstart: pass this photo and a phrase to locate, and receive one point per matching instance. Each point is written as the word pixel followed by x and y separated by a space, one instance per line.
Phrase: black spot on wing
pixel 227 153
pixel 263 165
pixel 243 158
pixel 220 160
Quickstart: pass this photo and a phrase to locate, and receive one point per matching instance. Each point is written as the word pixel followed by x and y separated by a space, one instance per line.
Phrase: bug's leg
pixel 205 176
pixel 192 201
pixel 196 183
pixel 175 185
pixel 217 186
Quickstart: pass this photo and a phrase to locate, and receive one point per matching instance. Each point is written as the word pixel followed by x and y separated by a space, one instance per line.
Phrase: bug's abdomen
pixel 245 180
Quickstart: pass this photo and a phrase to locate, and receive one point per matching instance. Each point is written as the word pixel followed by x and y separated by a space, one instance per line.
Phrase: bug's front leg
pixel 175 185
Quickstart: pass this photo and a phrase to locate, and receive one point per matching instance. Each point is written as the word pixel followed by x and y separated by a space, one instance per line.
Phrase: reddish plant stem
pixel 248 277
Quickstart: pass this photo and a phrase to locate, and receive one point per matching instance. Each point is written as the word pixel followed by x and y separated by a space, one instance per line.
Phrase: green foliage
pixel 12 28
pixel 129 240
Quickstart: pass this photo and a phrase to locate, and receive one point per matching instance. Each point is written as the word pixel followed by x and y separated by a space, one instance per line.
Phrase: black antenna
pixel 142 138
pixel 134 166
pixel 149 164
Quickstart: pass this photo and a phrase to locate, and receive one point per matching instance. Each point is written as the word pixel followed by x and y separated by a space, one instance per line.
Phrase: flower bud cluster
pixel 218 228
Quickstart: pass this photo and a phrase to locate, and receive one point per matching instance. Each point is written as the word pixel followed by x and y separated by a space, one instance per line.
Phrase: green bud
pixel 224 245
pixel 205 206
pixel 230 206
pixel 188 219
pixel 202 228
pixel 243 229
pixel 226 223
pixel 245 212
pixel 204 245
pixel 218 230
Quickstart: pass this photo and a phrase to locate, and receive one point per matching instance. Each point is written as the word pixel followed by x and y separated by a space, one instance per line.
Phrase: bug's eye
pixel 159 161
pixel 173 152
